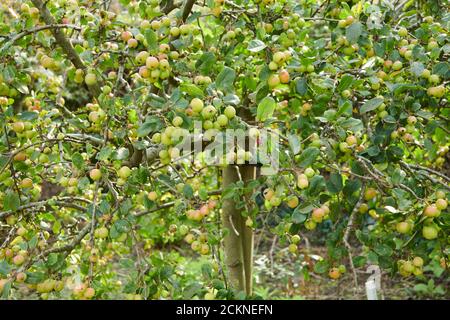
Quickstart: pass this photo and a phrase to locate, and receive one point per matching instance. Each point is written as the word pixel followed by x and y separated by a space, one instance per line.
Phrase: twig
pixel 348 229
pixel 25 33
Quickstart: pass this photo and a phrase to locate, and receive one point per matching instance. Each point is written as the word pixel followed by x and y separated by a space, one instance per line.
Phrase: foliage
pixel 97 202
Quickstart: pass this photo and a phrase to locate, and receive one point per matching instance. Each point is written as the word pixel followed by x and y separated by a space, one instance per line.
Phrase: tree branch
pixel 187 9
pixel 62 41
pixel 348 229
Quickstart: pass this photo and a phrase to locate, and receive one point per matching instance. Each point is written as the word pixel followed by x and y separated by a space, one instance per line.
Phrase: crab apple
pixel 351 140
pixel 26 183
pixel 212 204
pixel 273 81
pixel 230 112
pixel 89 293
pixel 197 105
pixel 18 127
pixel 124 172
pixel 417 262
pixel 268 194
pixel 253 133
pixel 177 121
pixel 284 76
pixel 402 32
pixel 273 66
pixel 152 63
pixel 132 43
pixel 370 194
pixel 222 120
pixel 412 120
pixel 21 156
pixel 431 211
pixel 397 65
pixel 21 231
pixel 275 201
pixel 18 260
pixel 126 35
pixel 295 239
pixel 144 72
pixel 292 202
pixel 441 204
pixel 278 57
pixel 174 32
pixel 101 233
pixel 317 215
pixel 204 249
pixel 152 195
pixel 425 74
pixel 302 181
pixel 309 172
pixel 403 227
pixel 95 174
pixel 208 112
pixel 292 248
pixel 346 93
pixel 334 273
pixel 437 92
pixel 90 79
pixel 430 232
pixel 21 277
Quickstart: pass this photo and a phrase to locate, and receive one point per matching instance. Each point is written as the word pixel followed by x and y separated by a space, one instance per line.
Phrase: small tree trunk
pixel 238 243
pixel 232 221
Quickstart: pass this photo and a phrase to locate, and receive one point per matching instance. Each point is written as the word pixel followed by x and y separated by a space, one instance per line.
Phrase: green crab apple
pixel 124 172
pixel 430 232
pixel 90 79
pixel 208 112
pixel 230 112
pixel 95 174
pixel 431 211
pixel 441 204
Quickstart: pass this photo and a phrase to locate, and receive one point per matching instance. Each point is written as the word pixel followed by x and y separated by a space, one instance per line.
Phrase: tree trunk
pixel 238 243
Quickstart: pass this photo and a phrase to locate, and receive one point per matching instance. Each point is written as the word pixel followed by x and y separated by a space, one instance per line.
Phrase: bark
pixel 232 221
pixel 238 244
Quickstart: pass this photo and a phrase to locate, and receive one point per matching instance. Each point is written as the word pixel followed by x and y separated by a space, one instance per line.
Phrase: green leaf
pixel 256 45
pixel 301 86
pixel 308 156
pixel 265 109
pixel 225 79
pixel 298 216
pixel 150 125
pixel 77 160
pixel 352 124
pixel 188 192
pixel 192 90
pixel 334 184
pixel 353 32
pixel 11 201
pixel 442 69
pixel 383 250
pixel 5 268
pixel 294 143
pixel 417 68
pixel 28 115
pixel 104 153
pixel 371 104
pixel 152 39
pixel 346 82
pixel 321 266
pixel 206 62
